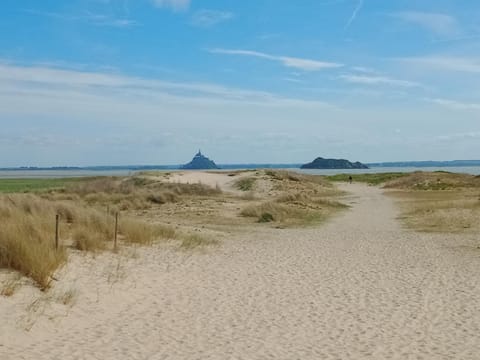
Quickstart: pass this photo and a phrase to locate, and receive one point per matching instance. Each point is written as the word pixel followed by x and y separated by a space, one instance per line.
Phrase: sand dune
pixel 359 287
pixel 212 179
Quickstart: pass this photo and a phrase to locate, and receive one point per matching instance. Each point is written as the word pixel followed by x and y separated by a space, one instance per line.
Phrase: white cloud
pixel 455 105
pixel 439 24
pixel 176 5
pixel 460 136
pixel 447 63
pixel 207 18
pixel 43 101
pixel 53 82
pixel 292 62
pixel 104 20
pixel 377 80
pixel 293 80
pixel 365 70
pixel 91 18
pixel 45 107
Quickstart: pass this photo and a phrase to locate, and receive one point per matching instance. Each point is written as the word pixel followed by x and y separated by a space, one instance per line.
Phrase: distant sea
pixel 473 170
pixel 70 173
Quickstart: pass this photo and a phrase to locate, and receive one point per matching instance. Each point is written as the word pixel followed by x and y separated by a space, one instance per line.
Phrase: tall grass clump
pixel 245 184
pixel 27 234
pixel 89 228
pixel 140 232
pixel 27 238
pixel 85 240
pixel 272 211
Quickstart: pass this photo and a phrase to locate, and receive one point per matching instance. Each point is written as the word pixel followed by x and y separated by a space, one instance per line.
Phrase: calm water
pixel 25 174
pixel 474 170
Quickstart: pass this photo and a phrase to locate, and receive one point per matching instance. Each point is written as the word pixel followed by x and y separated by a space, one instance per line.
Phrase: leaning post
pixel 116 232
pixel 57 219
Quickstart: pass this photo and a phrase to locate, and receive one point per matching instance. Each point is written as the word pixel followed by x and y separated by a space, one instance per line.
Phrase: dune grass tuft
pixel 140 232
pixel 272 211
pixel 194 241
pixel 266 218
pixel 27 238
pixel 245 184
pixel 86 240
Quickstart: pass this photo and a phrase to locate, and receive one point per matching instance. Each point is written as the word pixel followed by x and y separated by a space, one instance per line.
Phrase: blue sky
pixel 110 82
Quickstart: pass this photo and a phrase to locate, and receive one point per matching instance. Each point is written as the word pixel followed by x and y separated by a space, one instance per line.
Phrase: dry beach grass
pixel 86 211
pixel 27 234
pixel 438 202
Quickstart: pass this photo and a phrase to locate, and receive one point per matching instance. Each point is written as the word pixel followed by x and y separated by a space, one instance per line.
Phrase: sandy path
pixel 212 179
pixel 360 287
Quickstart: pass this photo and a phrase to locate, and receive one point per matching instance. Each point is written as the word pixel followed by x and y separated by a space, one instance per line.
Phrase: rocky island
pixel 200 162
pixel 321 163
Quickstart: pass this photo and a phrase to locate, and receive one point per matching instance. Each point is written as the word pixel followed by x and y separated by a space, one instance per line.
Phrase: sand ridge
pixel 359 287
pixel 212 178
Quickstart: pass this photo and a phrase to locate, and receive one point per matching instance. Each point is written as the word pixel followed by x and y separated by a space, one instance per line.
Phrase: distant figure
pixel 350 179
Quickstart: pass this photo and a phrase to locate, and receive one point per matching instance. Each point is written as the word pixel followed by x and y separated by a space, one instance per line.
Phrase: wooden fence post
pixel 116 231
pixel 57 217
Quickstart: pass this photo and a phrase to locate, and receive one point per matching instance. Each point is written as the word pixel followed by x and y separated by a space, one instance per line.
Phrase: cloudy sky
pixel 111 82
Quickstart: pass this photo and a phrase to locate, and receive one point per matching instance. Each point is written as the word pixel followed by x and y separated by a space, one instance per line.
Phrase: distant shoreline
pixel 414 164
pixel 80 173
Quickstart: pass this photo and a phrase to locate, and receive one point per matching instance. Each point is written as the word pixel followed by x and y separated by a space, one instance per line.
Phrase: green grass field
pixel 34 185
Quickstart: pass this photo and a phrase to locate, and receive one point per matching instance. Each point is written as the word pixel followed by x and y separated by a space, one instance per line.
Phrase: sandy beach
pixel 358 287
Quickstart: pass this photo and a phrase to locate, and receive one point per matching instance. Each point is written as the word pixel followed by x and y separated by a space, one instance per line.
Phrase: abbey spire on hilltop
pixel 200 162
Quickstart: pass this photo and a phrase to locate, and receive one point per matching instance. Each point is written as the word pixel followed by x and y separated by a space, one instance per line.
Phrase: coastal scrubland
pixel 437 201
pixel 160 206
pixel 163 275
pixel 153 206
pixel 27 234
pixel 294 199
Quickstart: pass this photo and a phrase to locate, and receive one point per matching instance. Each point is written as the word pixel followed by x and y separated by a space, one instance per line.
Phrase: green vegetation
pixel 284 175
pixel 432 181
pixel 265 218
pixel 32 185
pixel 370 179
pixel 194 241
pixel 245 184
